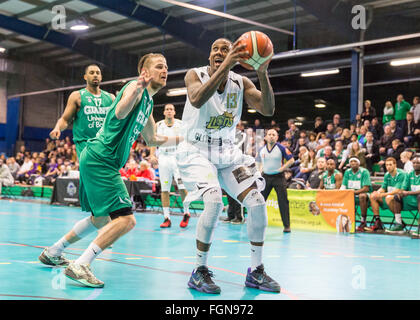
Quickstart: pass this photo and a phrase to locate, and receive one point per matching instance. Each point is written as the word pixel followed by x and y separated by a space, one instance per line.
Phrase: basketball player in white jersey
pixel 167 166
pixel 208 160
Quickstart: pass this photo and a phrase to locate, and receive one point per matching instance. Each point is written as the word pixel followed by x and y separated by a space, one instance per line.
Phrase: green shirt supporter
pixel 397 182
pixel 401 109
pixel 358 180
pixel 329 181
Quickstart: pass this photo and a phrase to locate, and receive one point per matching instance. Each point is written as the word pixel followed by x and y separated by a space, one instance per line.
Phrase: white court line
pixel 274 256
pixel 377 256
pixel 189 257
pixel 403 257
pixel 219 257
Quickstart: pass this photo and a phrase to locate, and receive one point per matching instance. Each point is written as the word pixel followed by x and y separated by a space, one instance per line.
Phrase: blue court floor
pixel 151 263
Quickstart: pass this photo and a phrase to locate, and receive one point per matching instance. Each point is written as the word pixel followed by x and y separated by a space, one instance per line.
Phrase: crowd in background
pixel 369 137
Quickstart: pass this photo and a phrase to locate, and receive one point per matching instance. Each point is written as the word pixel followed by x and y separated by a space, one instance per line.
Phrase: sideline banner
pixel 316 210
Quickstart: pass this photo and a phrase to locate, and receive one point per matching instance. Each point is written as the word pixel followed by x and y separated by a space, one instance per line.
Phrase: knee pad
pixel 213 206
pixel 257 215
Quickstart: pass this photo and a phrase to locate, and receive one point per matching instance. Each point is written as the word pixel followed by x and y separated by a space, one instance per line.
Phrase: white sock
pixel 256 256
pixel 398 218
pixel 186 209
pixel 202 258
pixel 89 255
pixel 57 248
pixel 166 212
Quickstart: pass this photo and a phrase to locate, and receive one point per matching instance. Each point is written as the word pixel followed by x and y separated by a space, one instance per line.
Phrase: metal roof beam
pixel 189 33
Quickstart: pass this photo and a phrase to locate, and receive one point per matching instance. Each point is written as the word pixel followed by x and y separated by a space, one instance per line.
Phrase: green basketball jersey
pixel 412 182
pixel 329 181
pixel 357 180
pixel 397 182
pixel 91 115
pixel 114 140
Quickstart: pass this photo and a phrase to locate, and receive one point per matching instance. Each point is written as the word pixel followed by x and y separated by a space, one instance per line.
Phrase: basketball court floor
pixel 151 263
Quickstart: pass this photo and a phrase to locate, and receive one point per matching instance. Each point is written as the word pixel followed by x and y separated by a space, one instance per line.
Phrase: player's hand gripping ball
pixel 260 49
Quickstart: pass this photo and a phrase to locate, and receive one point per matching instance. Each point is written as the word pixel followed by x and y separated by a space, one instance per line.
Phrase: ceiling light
pixel 403 62
pixel 2 50
pixel 80 25
pixel 319 103
pixel 252 111
pixel 176 92
pixel 319 73
pixel 298 123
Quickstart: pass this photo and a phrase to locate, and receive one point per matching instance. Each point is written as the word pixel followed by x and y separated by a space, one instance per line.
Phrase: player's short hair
pixel 145 60
pixel 391 159
pixel 90 65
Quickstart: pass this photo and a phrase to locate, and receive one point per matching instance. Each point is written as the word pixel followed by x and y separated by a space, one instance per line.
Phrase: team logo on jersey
pixel 224 120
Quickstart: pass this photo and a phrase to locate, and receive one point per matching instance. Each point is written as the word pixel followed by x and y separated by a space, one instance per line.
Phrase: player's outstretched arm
pixel 263 101
pixel 67 116
pixel 132 95
pixel 154 140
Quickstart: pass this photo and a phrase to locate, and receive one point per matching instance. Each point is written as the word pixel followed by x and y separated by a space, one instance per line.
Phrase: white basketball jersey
pixel 163 129
pixel 218 117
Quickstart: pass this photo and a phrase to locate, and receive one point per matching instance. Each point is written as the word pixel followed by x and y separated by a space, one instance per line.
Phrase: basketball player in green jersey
pixel 332 178
pixel 106 154
pixel 87 109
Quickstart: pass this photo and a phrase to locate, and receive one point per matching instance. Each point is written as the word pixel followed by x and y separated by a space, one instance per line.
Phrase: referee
pixel 270 163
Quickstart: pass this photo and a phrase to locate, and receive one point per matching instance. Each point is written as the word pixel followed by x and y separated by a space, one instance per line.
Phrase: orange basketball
pixel 260 49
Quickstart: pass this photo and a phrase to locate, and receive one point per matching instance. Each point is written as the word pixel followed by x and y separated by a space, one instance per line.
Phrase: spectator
pixel 331 178
pixel 369 112
pixel 401 109
pixel 22 174
pixel 362 136
pixel 358 152
pixel 405 159
pixel 319 125
pixel 337 123
pixel 415 109
pixel 13 166
pixel 408 130
pixel 352 128
pixel 388 113
pixel 314 179
pixel 338 133
pixel 376 129
pixel 358 121
pixel 396 131
pixel 312 144
pixel 257 125
pixel 345 137
pixel 303 160
pixel 372 151
pixel 395 152
pixel 340 154
pixel 52 172
pixel 330 131
pixel 145 172
pixel 385 143
pixel 301 143
pixel 6 178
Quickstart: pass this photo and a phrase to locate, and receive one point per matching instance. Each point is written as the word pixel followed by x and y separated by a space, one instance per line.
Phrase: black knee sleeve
pixel 120 212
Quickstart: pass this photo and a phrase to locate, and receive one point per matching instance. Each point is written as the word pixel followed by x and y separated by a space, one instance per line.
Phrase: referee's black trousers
pixel 278 182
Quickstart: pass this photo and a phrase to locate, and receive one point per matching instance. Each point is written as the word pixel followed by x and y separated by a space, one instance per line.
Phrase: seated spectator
pixel 13 166
pixel 331 178
pixel 362 136
pixel 371 151
pixel 396 131
pixel 358 121
pixel 388 113
pixel 22 174
pixel 257 125
pixel 345 137
pixel 319 125
pixel 393 184
pixel 329 133
pixel 52 172
pixel 407 199
pixel 358 179
pixel 144 171
pixel 352 128
pixel 358 152
pixel 340 153
pixel 307 166
pixel 396 149
pixel 369 112
pixel 301 143
pixel 405 159
pixel 376 129
pixel 415 109
pixel 337 123
pixel 385 143
pixel 293 183
pixel 338 133
pixel 131 172
pixel 6 178
pixel 408 130
pixel 315 177
pixel 312 144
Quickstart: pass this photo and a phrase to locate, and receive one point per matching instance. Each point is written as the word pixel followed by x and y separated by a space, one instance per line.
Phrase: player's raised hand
pixel 263 67
pixel 237 53
pixel 143 80
pixel 55 134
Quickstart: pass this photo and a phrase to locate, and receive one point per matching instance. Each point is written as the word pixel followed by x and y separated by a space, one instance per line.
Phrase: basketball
pixel 259 46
